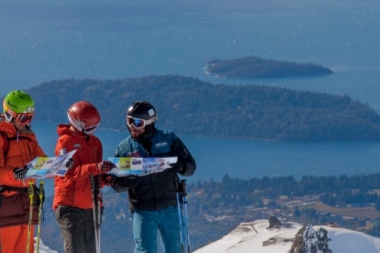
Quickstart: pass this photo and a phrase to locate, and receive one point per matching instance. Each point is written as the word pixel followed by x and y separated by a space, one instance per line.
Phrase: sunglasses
pixel 23 118
pixel 138 123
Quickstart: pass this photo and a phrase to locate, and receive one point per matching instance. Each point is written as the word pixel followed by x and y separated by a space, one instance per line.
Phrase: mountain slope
pixel 249 237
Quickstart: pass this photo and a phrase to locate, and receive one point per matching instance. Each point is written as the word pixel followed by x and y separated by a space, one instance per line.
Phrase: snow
pixel 43 248
pixel 352 241
pixel 249 237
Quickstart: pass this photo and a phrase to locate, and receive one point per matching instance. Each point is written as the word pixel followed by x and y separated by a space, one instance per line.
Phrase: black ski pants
pixel 77 229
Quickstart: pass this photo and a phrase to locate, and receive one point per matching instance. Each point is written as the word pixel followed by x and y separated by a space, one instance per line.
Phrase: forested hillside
pixel 189 106
pixel 256 67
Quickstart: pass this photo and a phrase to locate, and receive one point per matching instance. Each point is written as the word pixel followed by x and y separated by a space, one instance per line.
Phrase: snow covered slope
pixel 251 237
pixel 43 248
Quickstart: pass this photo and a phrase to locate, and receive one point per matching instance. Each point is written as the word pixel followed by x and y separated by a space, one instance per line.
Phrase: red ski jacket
pixel 74 189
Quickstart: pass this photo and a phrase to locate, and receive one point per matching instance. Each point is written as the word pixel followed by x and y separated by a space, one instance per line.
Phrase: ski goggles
pixel 23 118
pixel 91 129
pixel 138 123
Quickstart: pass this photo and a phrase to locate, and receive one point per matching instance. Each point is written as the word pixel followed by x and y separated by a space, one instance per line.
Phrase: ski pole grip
pixel 30 191
pixel 92 183
pixel 183 186
pixel 41 193
pixel 176 184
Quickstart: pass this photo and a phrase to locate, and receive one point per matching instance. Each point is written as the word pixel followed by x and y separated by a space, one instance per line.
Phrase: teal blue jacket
pixel 157 190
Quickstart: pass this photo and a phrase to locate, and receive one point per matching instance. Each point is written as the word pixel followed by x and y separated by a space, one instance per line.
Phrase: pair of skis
pixel 40 214
pixel 182 215
pixel 96 208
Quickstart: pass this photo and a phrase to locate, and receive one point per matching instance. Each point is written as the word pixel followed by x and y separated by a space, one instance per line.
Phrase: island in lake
pixel 256 67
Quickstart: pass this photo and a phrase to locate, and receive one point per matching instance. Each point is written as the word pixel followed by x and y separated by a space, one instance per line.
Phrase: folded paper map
pixel 140 165
pixel 42 167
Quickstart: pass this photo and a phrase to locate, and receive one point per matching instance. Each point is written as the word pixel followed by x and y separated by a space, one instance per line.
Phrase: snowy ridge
pixel 255 237
pixel 43 248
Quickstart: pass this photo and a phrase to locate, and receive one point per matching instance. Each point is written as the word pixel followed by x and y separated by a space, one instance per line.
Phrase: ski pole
pixel 184 204
pixel 179 214
pixel 99 201
pixel 40 211
pixel 31 194
pixel 94 210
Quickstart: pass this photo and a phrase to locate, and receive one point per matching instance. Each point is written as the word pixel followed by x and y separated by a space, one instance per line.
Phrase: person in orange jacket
pixel 19 147
pixel 73 198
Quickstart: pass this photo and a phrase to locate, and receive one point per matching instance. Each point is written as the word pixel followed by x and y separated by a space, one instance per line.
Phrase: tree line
pixel 333 190
pixel 256 67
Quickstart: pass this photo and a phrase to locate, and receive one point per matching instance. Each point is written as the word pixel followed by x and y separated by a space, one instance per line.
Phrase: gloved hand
pixel 69 163
pixel 20 173
pixel 109 179
pixel 177 167
pixel 105 167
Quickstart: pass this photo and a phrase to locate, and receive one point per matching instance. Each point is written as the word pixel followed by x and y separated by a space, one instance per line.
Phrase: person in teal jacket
pixel 152 198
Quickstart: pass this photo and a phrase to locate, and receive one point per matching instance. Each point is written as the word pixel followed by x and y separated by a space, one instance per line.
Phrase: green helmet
pixel 17 102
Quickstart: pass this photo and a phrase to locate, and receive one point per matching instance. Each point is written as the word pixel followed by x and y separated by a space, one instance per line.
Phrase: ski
pixel 96 212
pixel 40 213
pixel 31 195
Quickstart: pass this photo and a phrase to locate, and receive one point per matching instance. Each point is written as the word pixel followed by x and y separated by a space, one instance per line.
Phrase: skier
pixel 152 198
pixel 19 147
pixel 73 198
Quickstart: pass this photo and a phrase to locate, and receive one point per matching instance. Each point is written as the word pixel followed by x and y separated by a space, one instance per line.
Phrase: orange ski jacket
pixel 74 189
pixel 22 148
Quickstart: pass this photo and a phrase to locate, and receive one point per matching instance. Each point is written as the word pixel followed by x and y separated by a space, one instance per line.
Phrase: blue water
pixel 216 157
pixel 48 40
pixel 108 39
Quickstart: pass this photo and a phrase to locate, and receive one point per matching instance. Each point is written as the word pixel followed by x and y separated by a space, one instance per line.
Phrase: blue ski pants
pixel 147 223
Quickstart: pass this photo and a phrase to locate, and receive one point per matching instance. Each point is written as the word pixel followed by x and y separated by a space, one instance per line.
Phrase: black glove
pixel 106 166
pixel 69 163
pixel 177 167
pixel 109 179
pixel 20 173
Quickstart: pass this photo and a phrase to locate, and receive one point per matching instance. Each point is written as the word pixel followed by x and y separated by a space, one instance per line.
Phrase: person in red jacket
pixel 73 198
pixel 19 146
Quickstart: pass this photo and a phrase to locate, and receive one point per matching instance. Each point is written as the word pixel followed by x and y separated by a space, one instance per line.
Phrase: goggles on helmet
pixel 138 123
pixel 23 118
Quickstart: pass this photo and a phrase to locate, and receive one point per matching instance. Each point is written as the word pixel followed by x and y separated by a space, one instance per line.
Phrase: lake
pixel 243 159
pixel 113 39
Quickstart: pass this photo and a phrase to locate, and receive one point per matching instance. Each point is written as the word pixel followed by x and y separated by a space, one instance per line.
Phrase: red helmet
pixel 84 117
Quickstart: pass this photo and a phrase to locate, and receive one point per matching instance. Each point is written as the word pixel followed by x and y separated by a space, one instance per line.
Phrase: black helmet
pixel 142 110
pixel 142 114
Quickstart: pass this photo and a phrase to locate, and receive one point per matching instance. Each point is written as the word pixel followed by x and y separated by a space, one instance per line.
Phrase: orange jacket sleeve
pixel 80 170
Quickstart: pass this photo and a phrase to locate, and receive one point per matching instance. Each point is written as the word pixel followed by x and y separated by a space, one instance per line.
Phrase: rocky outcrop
pixel 307 240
